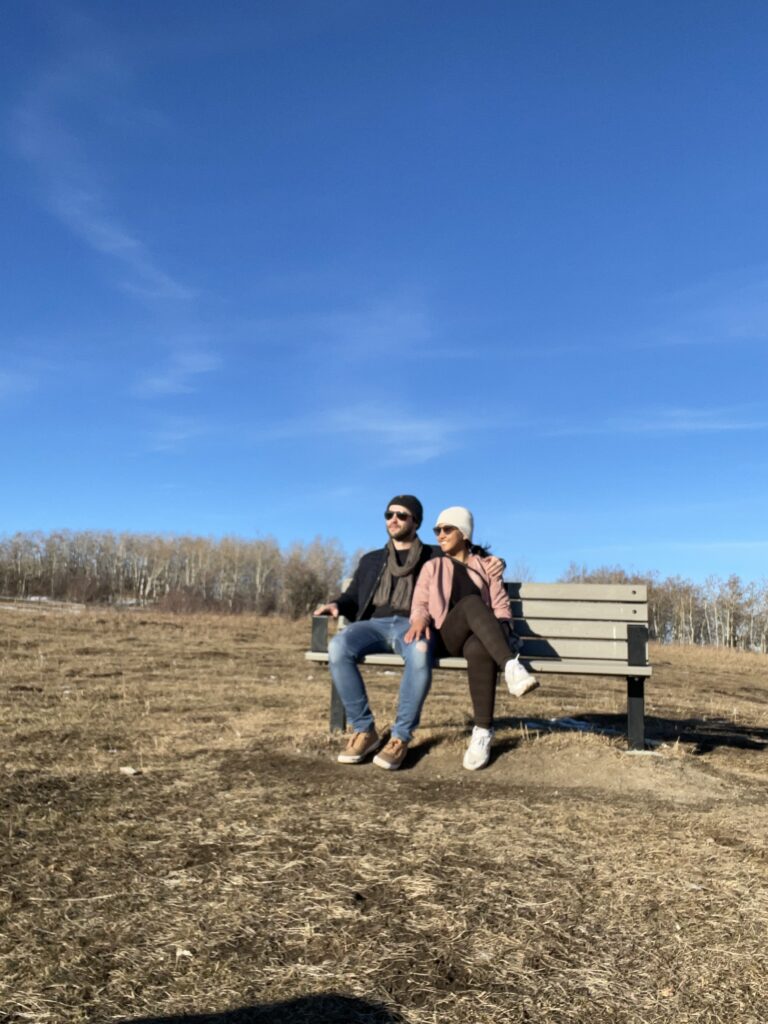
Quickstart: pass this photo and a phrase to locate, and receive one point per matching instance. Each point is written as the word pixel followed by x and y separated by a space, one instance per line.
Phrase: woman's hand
pixel 420 628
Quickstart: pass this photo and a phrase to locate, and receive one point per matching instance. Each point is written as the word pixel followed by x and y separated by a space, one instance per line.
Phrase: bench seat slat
pixel 571 666
pixel 588 667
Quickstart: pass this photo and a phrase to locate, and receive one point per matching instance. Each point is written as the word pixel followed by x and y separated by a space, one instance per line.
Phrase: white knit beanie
pixel 459 517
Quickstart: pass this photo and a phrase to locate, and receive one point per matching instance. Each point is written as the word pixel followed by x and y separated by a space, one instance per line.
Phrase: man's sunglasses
pixel 402 516
pixel 444 529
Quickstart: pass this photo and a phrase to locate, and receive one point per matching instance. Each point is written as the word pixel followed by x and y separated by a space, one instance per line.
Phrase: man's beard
pixel 404 533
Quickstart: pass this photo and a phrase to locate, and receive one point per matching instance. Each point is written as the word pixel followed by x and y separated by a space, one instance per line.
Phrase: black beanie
pixel 412 504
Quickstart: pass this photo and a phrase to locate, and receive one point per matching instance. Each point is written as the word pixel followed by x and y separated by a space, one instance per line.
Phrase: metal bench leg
pixel 338 717
pixel 338 714
pixel 636 712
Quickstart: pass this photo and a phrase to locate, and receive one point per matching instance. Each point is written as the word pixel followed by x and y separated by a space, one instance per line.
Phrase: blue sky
pixel 266 265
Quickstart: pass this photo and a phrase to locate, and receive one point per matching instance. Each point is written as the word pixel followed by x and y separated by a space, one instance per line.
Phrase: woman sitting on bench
pixel 471 614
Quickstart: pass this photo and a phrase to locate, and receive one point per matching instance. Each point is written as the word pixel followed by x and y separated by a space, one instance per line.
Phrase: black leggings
pixel 472 630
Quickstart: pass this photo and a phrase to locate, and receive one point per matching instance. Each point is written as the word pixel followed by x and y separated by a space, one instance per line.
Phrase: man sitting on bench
pixel 378 601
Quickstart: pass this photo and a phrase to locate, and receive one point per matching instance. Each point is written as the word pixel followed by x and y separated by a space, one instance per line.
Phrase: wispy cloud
pixel 43 136
pixel 712 556
pixel 724 309
pixel 727 309
pixel 401 438
pixel 384 327
pixel 179 376
pixel 724 544
pixel 172 434
pixel 83 209
pixel 13 384
pixel 670 421
pixel 381 327
pixel 393 436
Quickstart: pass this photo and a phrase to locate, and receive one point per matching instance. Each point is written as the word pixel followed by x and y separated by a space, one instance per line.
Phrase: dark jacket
pixel 356 603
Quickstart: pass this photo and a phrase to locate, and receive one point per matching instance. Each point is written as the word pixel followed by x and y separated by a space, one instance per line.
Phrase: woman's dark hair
pixel 478 549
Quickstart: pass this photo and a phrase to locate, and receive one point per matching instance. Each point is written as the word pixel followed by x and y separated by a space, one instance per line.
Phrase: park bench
pixel 585 629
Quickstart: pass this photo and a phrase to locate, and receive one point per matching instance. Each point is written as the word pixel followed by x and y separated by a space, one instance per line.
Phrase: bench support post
pixel 338 714
pixel 636 712
pixel 637 654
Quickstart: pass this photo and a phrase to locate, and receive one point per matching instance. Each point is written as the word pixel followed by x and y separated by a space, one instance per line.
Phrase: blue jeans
pixel 380 636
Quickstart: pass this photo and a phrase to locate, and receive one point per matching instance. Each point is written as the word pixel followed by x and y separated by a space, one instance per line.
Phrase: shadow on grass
pixel 326 1008
pixel 704 733
pixel 503 745
pixel 416 753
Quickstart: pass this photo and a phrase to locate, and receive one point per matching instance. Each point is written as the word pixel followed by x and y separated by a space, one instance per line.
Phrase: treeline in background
pixel 186 574
pixel 719 612
pixel 181 574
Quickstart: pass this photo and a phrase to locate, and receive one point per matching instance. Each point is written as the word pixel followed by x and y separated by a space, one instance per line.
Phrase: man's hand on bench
pixel 327 609
pixel 495 566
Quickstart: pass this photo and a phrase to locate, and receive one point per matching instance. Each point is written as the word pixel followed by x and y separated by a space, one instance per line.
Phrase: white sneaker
pixel 518 679
pixel 479 749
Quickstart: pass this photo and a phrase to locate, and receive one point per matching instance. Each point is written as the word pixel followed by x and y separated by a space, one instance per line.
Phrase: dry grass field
pixel 178 844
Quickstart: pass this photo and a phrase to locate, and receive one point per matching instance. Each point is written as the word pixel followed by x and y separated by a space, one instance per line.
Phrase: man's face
pixel 400 523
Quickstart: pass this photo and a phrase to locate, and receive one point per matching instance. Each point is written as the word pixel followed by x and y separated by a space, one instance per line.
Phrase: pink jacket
pixel 432 592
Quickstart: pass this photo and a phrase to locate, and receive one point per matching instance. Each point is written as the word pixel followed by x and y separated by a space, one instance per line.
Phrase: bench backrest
pixel 598 622
pixel 594 628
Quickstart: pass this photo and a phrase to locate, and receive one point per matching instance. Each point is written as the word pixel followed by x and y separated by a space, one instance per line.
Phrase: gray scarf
pixel 403 576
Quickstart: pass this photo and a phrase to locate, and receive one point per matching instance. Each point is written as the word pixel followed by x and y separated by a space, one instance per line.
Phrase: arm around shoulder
pixel 420 600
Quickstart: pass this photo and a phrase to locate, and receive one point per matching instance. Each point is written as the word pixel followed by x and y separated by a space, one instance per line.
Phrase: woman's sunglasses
pixel 444 529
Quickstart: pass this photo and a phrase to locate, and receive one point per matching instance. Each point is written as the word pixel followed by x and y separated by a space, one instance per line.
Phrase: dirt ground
pixel 178 843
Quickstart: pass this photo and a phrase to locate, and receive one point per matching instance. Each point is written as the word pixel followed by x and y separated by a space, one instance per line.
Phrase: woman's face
pixel 450 539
